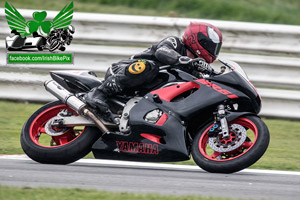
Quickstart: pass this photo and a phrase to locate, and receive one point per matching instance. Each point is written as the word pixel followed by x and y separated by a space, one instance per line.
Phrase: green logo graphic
pixel 17 22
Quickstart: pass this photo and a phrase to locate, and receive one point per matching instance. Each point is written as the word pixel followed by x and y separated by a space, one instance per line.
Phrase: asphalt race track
pixel 164 179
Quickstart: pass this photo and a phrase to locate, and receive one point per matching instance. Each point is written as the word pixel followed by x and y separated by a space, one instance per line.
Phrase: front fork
pixel 221 126
pixel 221 116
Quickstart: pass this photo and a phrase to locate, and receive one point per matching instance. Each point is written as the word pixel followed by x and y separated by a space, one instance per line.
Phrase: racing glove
pixel 197 64
pixel 200 65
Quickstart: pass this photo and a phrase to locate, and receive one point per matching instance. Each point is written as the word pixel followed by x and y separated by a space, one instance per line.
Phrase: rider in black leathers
pixel 142 68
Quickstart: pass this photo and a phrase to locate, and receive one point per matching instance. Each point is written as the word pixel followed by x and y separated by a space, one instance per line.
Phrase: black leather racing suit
pixel 131 73
pixel 166 52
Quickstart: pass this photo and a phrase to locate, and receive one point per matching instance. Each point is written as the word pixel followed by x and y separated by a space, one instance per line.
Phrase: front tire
pixel 75 143
pixel 251 150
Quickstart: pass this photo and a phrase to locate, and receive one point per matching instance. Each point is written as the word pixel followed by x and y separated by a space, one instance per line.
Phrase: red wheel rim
pixel 37 128
pixel 244 148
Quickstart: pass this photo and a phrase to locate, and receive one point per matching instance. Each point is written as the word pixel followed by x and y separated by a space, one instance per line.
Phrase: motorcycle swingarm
pixel 71 121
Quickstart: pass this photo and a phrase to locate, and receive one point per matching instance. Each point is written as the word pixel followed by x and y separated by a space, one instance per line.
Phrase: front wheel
pixel 66 145
pixel 247 142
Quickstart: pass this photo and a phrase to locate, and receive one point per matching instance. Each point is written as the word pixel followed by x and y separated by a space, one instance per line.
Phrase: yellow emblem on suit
pixel 137 67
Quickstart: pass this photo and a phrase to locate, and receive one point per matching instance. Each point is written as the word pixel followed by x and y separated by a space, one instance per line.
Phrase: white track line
pixel 153 165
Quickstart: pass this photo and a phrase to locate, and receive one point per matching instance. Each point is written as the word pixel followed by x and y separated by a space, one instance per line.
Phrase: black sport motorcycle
pixel 213 118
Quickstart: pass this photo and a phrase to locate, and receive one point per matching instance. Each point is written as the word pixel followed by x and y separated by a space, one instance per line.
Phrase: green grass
pixel 13 193
pixel 12 118
pixel 282 154
pixel 267 11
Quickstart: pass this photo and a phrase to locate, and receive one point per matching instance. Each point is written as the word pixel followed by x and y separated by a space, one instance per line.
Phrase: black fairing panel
pixel 172 148
pixel 204 101
pixel 235 80
pixel 76 81
pixel 181 75
pixel 201 102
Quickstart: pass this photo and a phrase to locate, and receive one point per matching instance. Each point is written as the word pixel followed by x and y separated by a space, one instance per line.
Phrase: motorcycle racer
pixel 200 42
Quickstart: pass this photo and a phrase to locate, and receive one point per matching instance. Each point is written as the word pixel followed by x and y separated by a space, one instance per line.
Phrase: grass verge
pixel 282 154
pixel 13 193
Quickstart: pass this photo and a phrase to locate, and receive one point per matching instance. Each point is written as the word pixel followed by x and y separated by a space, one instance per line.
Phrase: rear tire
pixel 241 158
pixel 69 147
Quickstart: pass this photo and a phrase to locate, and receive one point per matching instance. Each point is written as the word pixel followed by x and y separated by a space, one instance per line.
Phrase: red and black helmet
pixel 203 40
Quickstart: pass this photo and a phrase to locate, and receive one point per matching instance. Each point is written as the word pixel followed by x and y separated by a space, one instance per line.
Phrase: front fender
pixel 233 115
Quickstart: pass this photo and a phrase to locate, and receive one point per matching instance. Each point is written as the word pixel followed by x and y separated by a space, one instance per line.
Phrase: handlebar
pixel 215 73
pixel 185 61
pixel 210 71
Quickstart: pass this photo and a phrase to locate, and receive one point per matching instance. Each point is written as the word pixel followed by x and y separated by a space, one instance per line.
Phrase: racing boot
pixel 97 97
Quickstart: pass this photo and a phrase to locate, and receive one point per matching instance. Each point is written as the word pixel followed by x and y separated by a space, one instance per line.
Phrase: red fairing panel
pixel 162 120
pixel 171 92
pixel 151 137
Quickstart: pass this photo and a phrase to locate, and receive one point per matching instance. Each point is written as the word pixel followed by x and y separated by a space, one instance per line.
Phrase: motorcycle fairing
pixel 170 145
pixel 200 101
pixel 203 95
pixel 190 101
pixel 238 82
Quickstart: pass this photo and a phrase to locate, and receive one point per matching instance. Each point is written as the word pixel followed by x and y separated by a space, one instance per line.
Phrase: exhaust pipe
pixel 76 104
pixel 64 95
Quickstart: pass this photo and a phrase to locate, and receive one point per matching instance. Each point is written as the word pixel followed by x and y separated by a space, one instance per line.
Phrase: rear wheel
pixel 247 142
pixel 68 145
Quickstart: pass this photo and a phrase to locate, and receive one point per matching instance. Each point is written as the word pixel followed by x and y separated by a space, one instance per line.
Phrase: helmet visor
pixel 211 43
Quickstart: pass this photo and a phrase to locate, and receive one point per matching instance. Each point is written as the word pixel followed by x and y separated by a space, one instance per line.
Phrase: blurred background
pixel 266 11
pixel 263 36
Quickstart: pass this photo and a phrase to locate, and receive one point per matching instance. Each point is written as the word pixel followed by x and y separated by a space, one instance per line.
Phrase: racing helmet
pixel 203 40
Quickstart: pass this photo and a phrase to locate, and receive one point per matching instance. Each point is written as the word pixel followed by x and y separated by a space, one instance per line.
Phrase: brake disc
pixel 238 135
pixel 52 132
